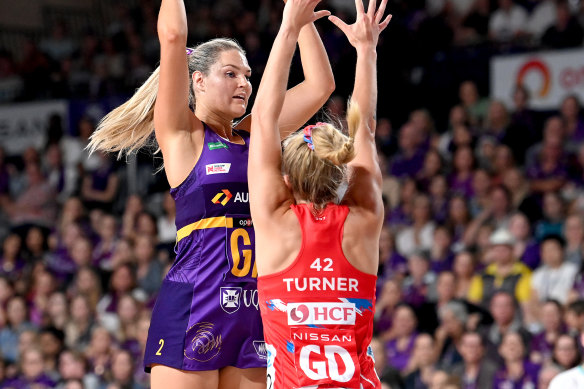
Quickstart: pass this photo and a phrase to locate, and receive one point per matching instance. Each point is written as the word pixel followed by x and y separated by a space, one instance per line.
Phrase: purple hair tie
pixel 189 51
pixel 308 134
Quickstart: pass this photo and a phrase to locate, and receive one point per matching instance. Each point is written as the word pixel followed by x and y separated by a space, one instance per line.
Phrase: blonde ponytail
pixel 130 126
pixel 316 175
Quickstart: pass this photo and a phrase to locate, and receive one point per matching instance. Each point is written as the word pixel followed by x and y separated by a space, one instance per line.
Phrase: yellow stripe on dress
pixel 210 222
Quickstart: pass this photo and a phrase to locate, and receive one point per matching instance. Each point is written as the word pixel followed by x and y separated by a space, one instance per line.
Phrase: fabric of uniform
pixel 318 312
pixel 206 315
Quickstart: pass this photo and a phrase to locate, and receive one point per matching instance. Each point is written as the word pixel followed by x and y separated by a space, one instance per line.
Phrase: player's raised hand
pixel 366 29
pixel 297 13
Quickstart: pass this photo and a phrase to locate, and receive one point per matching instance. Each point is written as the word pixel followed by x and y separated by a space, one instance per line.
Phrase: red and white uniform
pixel 318 312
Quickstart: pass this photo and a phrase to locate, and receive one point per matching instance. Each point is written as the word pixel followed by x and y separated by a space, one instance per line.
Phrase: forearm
pixel 365 89
pixel 172 21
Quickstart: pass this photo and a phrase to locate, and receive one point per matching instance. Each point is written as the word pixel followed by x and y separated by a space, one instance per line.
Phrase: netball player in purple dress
pixel 206 329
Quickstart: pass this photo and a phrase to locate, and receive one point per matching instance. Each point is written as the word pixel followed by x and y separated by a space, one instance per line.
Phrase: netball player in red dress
pixel 317 256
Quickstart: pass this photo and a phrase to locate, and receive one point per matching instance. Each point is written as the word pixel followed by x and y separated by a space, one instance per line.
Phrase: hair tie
pixel 189 51
pixel 308 134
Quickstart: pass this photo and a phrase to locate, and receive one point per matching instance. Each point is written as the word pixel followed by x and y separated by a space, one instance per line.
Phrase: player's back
pixel 318 312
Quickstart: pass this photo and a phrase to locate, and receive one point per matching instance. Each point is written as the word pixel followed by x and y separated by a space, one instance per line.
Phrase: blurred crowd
pixel 481 277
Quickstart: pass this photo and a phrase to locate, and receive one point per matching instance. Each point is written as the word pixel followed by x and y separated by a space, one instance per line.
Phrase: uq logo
pixel 230 299
pixel 321 313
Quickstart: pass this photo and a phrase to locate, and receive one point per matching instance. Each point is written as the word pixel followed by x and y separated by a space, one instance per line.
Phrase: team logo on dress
pixel 218 197
pixel 260 348
pixel 298 314
pixel 205 342
pixel 230 298
pixel 217 168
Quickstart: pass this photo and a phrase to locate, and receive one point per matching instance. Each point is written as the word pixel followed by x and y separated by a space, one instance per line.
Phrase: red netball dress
pixel 318 312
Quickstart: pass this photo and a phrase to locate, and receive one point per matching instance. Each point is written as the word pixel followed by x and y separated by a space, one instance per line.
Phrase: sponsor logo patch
pixel 217 168
pixel 222 197
pixel 216 145
pixel 230 299
pixel 321 313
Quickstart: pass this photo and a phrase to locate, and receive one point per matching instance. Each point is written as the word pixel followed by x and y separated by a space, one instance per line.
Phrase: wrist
pixel 366 49
pixel 287 29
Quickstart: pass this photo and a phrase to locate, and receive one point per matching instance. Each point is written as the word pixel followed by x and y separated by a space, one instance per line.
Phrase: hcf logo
pixel 321 313
pixel 217 198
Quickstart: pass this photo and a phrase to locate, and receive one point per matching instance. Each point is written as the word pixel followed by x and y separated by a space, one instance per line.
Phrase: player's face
pixel 226 89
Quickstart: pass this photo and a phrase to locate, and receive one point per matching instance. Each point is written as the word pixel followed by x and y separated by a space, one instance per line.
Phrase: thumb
pixel 338 22
pixel 321 14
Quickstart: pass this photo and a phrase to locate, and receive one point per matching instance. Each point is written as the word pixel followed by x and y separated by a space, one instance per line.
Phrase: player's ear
pixel 287 181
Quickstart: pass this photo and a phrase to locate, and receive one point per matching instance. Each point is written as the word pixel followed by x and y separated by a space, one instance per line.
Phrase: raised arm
pixel 267 188
pixel 306 98
pixel 172 117
pixel 365 180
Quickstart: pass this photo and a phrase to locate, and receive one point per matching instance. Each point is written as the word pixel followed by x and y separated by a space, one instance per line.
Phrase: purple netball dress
pixel 207 315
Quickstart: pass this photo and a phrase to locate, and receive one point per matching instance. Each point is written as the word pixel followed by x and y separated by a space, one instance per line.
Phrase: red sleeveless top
pixel 318 312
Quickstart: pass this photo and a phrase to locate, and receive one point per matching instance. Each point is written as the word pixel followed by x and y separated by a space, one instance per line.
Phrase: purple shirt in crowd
pixel 527 381
pixel 399 358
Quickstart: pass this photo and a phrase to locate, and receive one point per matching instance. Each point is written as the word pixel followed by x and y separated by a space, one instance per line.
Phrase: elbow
pixel 172 34
pixel 327 87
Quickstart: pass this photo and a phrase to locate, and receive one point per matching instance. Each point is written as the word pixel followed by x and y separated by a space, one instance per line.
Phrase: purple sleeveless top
pixel 215 236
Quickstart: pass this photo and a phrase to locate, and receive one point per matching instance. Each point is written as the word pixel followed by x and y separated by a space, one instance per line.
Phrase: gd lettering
pixel 314 365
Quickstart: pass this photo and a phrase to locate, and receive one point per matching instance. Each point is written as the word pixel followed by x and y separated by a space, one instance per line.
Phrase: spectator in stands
pixel 574 234
pixel 439 198
pixel 555 277
pixel 554 215
pixel 508 22
pixel 475 25
pixel 574 123
pixel 100 185
pixel 525 248
pixel 441 255
pixel 453 318
pixel 433 167
pixel 458 220
pixel 37 204
pixel 566 353
pixel 11 262
pixel 504 274
pixel 78 330
pixel 149 269
pixel 16 323
pixel 416 286
pixel 464 271
pixel 566 32
pixel 475 370
pixel 541 18
pixel 546 375
pixel 419 235
pixel 542 343
pixel 503 308
pixel 522 116
pixel 570 379
pixel 517 371
pixel 409 160
pixel 386 304
pixel 73 366
pixel 399 349
pixel 421 365
pixel 123 370
pixel 462 175
pixel 32 372
pixel 476 107
pixel 574 317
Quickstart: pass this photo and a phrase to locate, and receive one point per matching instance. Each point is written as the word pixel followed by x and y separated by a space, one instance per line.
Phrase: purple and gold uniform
pixel 207 316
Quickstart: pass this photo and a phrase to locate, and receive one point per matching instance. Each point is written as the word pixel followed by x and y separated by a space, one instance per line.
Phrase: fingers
pixel 380 11
pixel 339 23
pixel 384 24
pixel 359 6
pixel 371 8
pixel 321 14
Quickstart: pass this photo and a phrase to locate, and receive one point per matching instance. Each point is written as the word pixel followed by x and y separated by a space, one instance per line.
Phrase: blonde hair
pixel 129 127
pixel 315 175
